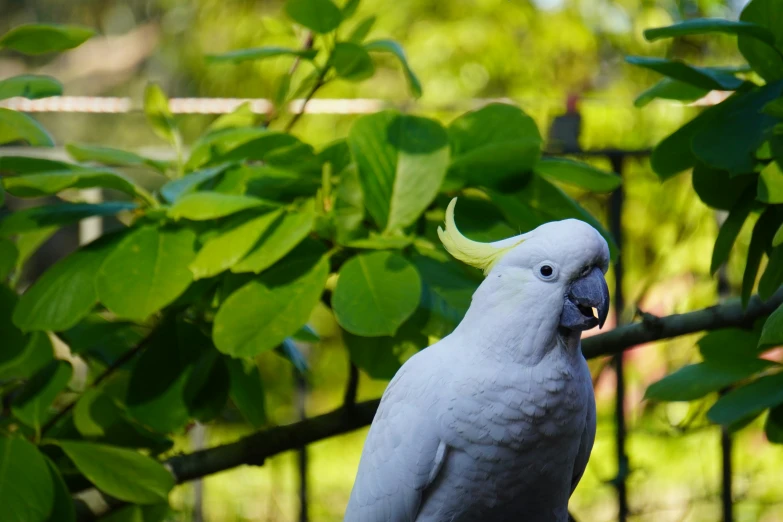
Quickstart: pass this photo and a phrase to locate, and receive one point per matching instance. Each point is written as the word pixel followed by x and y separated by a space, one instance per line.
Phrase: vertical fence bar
pixel 616 228
pixel 301 400
pixel 726 495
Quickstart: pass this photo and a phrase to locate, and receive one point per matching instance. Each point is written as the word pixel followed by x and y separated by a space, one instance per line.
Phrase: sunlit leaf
pixel 45 38
pixel 259 53
pixel 352 62
pixel 202 206
pixel 578 174
pixel 322 16
pixel 26 485
pixel 111 156
pixel 17 126
pixel 390 46
pixel 156 108
pixel 700 26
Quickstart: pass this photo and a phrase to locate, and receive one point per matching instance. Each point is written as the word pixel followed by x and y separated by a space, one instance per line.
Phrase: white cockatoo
pixel 496 421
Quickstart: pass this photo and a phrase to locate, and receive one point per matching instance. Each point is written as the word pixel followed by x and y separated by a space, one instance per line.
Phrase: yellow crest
pixel 474 253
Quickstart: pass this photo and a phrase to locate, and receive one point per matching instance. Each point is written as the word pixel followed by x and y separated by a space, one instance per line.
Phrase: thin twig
pixel 308 44
pixel 319 82
pixel 349 400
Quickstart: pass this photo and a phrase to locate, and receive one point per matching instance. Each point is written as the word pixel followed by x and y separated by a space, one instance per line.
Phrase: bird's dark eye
pixel 546 270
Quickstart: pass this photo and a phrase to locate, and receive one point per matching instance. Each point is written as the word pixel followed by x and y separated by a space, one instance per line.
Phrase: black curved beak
pixel 586 293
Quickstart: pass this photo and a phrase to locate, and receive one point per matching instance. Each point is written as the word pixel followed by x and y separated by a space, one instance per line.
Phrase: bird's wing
pixel 402 456
pixel 586 444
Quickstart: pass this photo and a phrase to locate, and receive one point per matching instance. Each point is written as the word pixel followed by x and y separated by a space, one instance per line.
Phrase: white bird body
pixel 496 421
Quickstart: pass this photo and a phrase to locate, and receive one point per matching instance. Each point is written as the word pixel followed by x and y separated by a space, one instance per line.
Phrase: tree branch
pixel 256 448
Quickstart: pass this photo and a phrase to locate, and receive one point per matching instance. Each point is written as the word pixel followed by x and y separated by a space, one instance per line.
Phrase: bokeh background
pixel 549 57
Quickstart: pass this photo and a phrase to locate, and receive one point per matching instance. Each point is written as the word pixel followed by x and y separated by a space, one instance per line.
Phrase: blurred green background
pixel 535 53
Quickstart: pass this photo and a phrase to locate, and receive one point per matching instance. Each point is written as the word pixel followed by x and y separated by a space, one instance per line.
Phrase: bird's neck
pixel 514 329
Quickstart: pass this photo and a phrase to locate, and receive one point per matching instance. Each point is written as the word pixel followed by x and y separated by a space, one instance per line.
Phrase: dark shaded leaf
pixel 32 406
pixel 765 59
pixel 207 388
pixel 711 26
pixel 62 506
pixel 578 174
pixel 731 227
pixel 33 219
pixel 765 392
pixel 763 232
pixel 26 485
pixel 247 391
pixel 694 381
pixel 190 182
pixel 390 46
pixel 30 86
pixel 716 188
pixel 668 89
pixel 701 77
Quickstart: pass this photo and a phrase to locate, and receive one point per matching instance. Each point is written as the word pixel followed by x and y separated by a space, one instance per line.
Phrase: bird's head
pixel 559 268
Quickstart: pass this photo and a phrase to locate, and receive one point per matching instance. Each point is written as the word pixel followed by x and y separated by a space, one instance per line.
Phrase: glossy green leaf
pixel 62 505
pixel 322 16
pixel 28 243
pixel 267 310
pixel 18 126
pixel 159 116
pixel 45 38
pixel 496 146
pixel 701 77
pixel 29 165
pixel 390 46
pixel 376 293
pixel 32 219
pixel 146 271
pixel 30 86
pixel 278 240
pixel 772 332
pixel 260 53
pixel 717 189
pixel 247 391
pixel 156 391
pixel 348 204
pixel 8 256
pixel 578 174
pixel 66 292
pixel 352 62
pixel 111 156
pixel 123 474
pixel 32 406
pixel 700 26
pixel 694 381
pixel 35 354
pixel 765 392
pixel 770 184
pixel 668 89
pixel 731 227
pixel 190 182
pixel 446 293
pixel 380 357
pixel 26 485
pixel 402 161
pixel 50 183
pixel 762 234
pixel 765 59
pixel 729 345
pixel 203 206
pixel 225 249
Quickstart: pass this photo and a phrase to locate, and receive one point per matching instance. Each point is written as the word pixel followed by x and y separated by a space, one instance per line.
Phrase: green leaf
pixel 32 406
pixel 114 157
pixel 380 357
pixel 348 204
pixel 45 38
pixel 30 86
pixel 8 256
pixel 772 332
pixel 62 505
pixel 29 242
pixel 716 188
pixel 446 294
pixel 247 391
pixel 376 293
pixel 322 16
pixel 578 174
pixel 495 146
pixel 767 60
pixel 190 182
pixel 349 8
pixel 694 381
pixel 402 161
pixel 29 165
pixel 711 26
pixel 17 126
pixel 778 239
pixel 729 139
pixel 673 154
pixel 156 108
pixel 701 77
pixel 390 46
pixel 774 109
pixel 121 473
pixel 264 312
pixel 361 31
pixel 36 353
pixel 728 345
pixel 25 482
pixel 765 392
pixel 225 249
pixel 241 117
pixel 146 271
pixel 207 388
pixel 132 513
pixel 156 391
pixel 284 234
pixel 32 219
pixel 14 341
pixel 763 231
pixel 239 144
pixel 377 242
pixel 669 89
pixel 731 227
pixel 66 292
pixel 50 183
pixel 770 185
pixel 269 183
pixel 773 275
pixel 260 53
pixel 203 206
pixel 352 62
pixel 773 427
